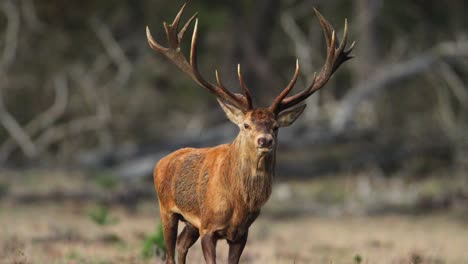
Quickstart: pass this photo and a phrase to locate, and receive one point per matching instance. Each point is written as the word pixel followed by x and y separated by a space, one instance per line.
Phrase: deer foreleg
pixel 236 248
pixel 208 243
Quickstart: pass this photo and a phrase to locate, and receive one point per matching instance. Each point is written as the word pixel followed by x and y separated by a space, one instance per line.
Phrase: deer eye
pixel 246 126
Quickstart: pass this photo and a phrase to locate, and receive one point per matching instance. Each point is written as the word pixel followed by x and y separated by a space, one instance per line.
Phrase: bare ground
pixel 63 232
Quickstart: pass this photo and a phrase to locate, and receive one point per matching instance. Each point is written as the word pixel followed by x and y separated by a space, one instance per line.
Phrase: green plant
pixel 100 216
pixel 105 180
pixel 75 255
pixel 4 187
pixel 111 238
pixel 154 243
pixel 357 259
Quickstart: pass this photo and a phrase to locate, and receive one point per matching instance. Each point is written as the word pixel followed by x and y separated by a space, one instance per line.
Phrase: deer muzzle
pixel 264 143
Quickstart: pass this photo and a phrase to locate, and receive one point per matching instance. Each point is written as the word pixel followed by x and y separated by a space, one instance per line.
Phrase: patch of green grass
pixel 75 256
pixel 4 188
pixel 100 215
pixel 111 238
pixel 154 243
pixel 331 193
pixel 105 180
pixel 357 259
pixel 103 262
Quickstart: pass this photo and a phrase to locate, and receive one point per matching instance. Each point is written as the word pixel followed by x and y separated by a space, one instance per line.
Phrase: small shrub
pixel 105 181
pixel 74 255
pixel 100 216
pixel 357 259
pixel 416 258
pixel 111 238
pixel 4 187
pixel 154 243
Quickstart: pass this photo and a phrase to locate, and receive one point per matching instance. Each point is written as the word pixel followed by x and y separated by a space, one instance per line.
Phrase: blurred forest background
pixel 87 108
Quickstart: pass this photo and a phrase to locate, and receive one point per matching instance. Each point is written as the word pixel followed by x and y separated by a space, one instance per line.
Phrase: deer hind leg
pixel 185 240
pixel 169 223
pixel 236 248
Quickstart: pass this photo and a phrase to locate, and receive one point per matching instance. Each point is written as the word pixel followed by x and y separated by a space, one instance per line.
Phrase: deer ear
pixel 288 117
pixel 233 113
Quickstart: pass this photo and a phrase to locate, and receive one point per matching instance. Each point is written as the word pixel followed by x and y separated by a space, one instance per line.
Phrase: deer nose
pixel 265 142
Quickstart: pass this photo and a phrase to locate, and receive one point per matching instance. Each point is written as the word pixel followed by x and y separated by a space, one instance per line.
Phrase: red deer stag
pixel 219 191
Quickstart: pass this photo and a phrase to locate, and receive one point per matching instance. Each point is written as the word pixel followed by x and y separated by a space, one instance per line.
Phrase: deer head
pixel 258 126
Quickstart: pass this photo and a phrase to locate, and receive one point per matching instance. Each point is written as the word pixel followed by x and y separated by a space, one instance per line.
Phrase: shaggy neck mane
pixel 251 174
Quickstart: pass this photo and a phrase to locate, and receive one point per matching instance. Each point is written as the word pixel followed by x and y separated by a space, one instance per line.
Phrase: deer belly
pixel 186 202
pixel 193 219
pixel 185 189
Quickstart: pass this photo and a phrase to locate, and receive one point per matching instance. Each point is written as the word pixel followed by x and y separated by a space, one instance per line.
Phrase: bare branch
pixel 56 110
pixel 303 51
pixel 444 109
pixel 43 120
pixel 117 55
pixel 258 62
pixel 391 74
pixel 54 133
pixel 454 123
pixel 71 128
pixel 14 128
pixel 114 51
pixel 28 9
pixel 87 81
pixel 455 83
pixel 12 31
pixel 302 45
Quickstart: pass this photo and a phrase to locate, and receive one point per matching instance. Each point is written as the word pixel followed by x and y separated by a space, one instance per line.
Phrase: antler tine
pixel 153 44
pixel 343 55
pixel 190 67
pixel 335 57
pixel 175 23
pixel 171 30
pixel 277 102
pixel 182 31
pixel 344 41
pixel 327 28
pixel 193 48
pixel 220 91
pixel 244 87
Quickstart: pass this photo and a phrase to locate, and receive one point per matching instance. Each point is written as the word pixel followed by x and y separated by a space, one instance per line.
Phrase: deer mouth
pixel 264 149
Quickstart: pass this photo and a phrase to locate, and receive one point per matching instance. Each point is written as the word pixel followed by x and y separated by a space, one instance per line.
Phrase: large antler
pixel 174 54
pixel 335 57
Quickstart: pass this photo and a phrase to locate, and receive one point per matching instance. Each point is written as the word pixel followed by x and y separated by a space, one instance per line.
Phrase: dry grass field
pixel 60 234
pixel 64 231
